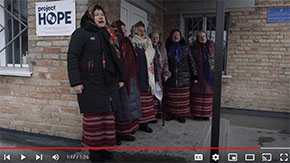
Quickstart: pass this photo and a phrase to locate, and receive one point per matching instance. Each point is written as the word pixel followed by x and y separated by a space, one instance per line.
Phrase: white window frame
pixel 2 35
pixel 10 69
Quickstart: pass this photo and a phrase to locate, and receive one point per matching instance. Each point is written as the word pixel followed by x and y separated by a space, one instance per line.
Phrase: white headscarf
pixel 146 45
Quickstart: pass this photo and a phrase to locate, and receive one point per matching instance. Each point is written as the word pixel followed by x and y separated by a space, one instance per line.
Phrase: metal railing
pixel 16 34
pixel 206 23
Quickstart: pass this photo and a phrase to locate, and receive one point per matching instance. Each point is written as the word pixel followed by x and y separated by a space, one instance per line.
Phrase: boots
pixel 154 121
pixel 100 155
pixel 169 118
pixel 95 156
pixel 144 127
pixel 106 154
pixel 125 137
pixel 181 119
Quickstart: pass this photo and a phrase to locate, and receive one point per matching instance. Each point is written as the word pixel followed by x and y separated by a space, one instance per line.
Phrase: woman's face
pixel 99 18
pixel 155 38
pixel 124 30
pixel 202 37
pixel 176 36
pixel 141 32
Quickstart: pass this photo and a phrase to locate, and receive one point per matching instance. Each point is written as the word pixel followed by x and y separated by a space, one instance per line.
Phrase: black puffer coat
pixel 85 66
pixel 182 72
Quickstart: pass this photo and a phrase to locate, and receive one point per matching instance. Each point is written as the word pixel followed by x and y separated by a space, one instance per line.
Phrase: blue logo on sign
pixel 53 17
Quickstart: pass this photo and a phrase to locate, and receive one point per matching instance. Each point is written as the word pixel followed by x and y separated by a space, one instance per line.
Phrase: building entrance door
pixel 131 14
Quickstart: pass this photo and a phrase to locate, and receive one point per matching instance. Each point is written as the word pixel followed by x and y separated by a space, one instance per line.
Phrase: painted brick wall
pixel 259 61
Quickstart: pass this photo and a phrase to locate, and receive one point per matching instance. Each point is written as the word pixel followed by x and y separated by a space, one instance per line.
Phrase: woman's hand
pixel 121 84
pixel 165 78
pixel 78 89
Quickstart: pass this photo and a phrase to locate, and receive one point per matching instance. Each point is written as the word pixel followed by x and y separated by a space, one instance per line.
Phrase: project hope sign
pixel 55 18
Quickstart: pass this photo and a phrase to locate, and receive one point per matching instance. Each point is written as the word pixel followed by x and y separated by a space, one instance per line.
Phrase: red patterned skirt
pixel 157 108
pixel 147 108
pixel 99 130
pixel 177 101
pixel 125 128
pixel 201 105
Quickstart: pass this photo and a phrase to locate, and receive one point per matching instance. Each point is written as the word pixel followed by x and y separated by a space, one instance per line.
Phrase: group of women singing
pixel 116 77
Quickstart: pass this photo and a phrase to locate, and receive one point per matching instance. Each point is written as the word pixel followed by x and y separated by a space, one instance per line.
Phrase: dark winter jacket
pixel 142 70
pixel 130 108
pixel 130 105
pixel 87 48
pixel 182 72
pixel 203 85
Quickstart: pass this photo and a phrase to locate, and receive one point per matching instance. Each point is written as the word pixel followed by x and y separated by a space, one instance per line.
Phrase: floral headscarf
pixel 113 36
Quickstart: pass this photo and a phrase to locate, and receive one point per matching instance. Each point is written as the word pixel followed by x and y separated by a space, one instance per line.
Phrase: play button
pixel 22 157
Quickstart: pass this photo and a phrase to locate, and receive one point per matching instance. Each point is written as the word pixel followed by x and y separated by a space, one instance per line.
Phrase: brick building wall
pixel 172 21
pixel 258 61
pixel 156 19
pixel 44 103
pixel 111 7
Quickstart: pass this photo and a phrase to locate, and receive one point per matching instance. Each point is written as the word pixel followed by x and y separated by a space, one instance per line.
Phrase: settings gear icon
pixel 215 157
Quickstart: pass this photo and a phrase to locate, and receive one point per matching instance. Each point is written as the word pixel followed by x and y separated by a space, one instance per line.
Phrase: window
pixel 14 38
pixel 206 23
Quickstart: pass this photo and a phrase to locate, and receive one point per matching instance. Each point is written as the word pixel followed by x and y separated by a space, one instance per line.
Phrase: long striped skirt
pixel 201 105
pixel 147 108
pixel 125 128
pixel 99 130
pixel 177 101
pixel 157 108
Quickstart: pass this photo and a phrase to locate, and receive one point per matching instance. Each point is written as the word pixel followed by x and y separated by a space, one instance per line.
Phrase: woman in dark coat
pixel 161 62
pixel 202 92
pixel 183 73
pixel 130 112
pixel 96 71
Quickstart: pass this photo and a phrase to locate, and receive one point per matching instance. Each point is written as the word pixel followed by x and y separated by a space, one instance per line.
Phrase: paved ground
pixel 173 134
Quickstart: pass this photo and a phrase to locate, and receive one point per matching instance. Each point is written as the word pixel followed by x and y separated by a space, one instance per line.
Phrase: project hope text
pixel 48 15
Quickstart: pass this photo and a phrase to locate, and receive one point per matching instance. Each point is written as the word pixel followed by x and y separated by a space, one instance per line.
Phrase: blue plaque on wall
pixel 279 15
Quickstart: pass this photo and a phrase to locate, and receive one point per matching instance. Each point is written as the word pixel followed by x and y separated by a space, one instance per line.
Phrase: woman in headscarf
pixel 146 76
pixel 183 73
pixel 96 71
pixel 161 62
pixel 130 112
pixel 202 92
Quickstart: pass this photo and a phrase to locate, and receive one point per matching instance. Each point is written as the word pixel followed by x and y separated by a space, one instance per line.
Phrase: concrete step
pixel 173 134
pixel 224 136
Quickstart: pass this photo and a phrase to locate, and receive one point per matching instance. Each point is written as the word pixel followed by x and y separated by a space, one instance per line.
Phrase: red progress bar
pixel 130 147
